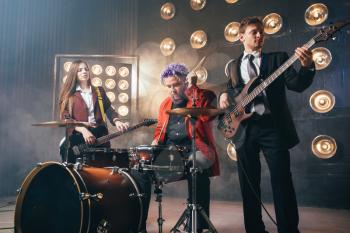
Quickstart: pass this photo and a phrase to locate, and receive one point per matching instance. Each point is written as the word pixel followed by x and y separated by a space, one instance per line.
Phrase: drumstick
pixel 161 131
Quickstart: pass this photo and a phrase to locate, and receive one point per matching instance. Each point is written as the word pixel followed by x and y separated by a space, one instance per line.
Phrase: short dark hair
pixel 248 21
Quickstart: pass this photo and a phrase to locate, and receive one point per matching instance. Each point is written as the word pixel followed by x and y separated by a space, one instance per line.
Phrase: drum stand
pixel 158 191
pixel 190 213
pixel 67 143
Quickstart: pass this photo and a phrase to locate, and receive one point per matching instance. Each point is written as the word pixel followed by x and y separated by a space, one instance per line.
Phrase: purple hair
pixel 174 69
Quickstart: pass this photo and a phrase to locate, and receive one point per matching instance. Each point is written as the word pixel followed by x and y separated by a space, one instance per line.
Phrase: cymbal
pixel 65 123
pixel 195 112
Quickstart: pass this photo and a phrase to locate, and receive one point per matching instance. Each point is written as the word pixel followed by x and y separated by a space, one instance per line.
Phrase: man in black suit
pixel 270 129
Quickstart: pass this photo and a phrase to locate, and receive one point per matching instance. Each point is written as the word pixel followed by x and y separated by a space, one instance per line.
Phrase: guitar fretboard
pixel 108 137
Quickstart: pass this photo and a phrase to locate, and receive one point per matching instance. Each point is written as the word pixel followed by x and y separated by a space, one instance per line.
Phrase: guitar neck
pixel 264 84
pixel 109 137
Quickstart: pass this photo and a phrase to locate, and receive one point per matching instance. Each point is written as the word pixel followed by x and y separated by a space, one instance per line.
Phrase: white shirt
pixel 87 97
pixel 260 108
pixel 244 65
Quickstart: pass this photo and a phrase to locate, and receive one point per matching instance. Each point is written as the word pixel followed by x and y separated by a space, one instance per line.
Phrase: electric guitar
pixel 230 122
pixel 78 146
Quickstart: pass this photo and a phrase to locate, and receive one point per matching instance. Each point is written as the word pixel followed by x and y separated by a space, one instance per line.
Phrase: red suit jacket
pixel 204 135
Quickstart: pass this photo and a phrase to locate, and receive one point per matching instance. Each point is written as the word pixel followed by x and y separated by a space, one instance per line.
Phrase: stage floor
pixel 227 217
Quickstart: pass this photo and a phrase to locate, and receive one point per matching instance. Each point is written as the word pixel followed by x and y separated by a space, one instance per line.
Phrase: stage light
pixel 231 151
pixel 322 101
pixel 324 146
pixel 202 75
pixel 231 1
pixel 316 14
pixel 123 71
pixel 231 32
pixel 272 23
pixel 167 46
pixel 111 96
pixel 67 65
pixel 322 57
pixel 167 11
pixel 123 85
pixel 197 4
pixel 96 69
pixel 110 83
pixel 123 110
pixel 198 39
pixel 110 70
pixel 96 82
pixel 123 98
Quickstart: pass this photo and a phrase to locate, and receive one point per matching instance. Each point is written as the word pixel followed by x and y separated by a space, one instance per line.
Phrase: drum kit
pixel 97 193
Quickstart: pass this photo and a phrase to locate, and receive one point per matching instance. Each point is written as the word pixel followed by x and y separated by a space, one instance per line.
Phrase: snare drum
pixel 165 163
pixel 60 198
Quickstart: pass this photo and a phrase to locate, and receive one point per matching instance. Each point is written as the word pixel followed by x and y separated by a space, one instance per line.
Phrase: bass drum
pixel 60 198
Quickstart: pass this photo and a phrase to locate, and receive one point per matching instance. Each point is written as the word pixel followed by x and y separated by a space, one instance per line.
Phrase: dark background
pixel 33 32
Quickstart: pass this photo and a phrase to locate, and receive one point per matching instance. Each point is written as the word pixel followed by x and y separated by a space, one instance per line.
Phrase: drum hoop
pixel 25 185
pixel 88 200
pixel 138 195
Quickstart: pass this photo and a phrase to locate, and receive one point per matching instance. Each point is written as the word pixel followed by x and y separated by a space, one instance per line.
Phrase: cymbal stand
pixel 158 191
pixel 67 142
pixel 190 213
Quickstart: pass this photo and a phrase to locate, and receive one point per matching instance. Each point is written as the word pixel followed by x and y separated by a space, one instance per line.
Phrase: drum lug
pixel 19 190
pixel 39 164
pixel 136 195
pixel 115 170
pixel 78 165
pixel 95 197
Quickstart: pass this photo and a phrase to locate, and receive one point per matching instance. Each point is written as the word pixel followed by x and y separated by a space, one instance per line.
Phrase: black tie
pixel 252 72
pixel 251 67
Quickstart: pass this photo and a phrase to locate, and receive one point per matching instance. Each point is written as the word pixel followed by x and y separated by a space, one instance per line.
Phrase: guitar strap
pixel 100 103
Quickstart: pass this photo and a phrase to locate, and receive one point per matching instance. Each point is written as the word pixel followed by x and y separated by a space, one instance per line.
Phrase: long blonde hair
pixel 69 87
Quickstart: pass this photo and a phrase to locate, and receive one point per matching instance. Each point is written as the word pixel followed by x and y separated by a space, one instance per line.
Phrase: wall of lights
pixel 116 74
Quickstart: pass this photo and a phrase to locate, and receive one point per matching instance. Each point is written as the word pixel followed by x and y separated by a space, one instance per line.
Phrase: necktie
pixel 252 72
pixel 259 107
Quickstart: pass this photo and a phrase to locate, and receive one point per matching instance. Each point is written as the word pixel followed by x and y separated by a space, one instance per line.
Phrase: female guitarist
pixel 82 102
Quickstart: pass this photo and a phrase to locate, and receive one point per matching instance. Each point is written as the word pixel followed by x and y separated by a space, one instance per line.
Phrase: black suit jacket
pixel 276 92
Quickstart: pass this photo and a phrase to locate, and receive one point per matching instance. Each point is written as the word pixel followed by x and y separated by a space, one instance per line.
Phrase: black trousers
pixel 261 135
pixel 202 197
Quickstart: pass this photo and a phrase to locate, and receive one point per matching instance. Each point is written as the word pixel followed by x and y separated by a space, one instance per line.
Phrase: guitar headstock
pixel 149 121
pixel 326 33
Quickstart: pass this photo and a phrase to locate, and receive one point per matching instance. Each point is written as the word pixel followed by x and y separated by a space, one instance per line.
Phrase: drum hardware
pixel 104 226
pixel 95 197
pixel 190 213
pixel 18 191
pixel 158 191
pixel 79 164
pixel 141 195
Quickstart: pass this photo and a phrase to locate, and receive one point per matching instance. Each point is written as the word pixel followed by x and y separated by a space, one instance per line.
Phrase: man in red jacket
pixel 177 130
